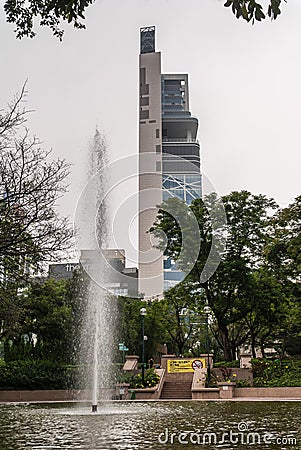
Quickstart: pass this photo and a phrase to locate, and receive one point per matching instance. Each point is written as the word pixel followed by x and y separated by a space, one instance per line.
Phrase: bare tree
pixel 31 230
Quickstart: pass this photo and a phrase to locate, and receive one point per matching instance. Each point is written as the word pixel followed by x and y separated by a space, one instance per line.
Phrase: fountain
pixel 95 359
pixel 97 334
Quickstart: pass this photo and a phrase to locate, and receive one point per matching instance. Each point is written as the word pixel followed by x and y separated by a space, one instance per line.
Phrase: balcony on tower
pixel 181 175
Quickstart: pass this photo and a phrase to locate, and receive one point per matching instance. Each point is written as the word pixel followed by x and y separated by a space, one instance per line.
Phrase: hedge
pixel 36 375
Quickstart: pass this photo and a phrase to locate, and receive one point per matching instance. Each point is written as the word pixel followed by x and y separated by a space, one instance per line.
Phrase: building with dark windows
pixel 170 166
pixel 180 177
pixel 123 280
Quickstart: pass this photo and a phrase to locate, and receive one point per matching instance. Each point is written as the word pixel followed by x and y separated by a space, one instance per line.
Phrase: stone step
pixel 176 390
pixel 176 396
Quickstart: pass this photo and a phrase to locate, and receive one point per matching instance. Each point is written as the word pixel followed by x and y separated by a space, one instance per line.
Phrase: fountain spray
pixel 97 339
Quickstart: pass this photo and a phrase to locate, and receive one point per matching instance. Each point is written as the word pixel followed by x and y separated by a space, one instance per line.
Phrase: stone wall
pixel 275 392
pixel 38 396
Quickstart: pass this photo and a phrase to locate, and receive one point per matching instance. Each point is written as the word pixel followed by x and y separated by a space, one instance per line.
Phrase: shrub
pixel 151 379
pixel 233 364
pixel 276 373
pixel 243 383
pixel 36 375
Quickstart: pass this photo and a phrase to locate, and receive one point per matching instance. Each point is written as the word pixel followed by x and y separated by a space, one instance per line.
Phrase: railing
pixel 184 140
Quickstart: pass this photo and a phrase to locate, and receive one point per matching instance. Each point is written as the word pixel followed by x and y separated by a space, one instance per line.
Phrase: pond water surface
pixel 153 425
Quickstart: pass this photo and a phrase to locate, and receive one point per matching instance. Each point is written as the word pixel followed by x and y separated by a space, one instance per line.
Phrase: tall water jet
pixel 97 334
pixel 95 360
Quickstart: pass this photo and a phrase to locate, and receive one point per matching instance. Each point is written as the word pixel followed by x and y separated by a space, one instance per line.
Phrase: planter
pixel 226 389
pixel 203 393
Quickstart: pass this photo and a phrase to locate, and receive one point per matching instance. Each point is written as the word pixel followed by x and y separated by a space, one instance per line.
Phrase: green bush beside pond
pixel 36 375
pixel 269 373
pixel 135 380
pixel 276 373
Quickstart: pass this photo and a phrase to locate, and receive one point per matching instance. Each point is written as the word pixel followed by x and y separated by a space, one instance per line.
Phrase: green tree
pixel 50 14
pixel 229 290
pixel 268 309
pixel 182 320
pixel 284 258
pixel 12 314
pixel 284 250
pixel 130 325
pixel 43 324
pixel 76 296
pixel 49 317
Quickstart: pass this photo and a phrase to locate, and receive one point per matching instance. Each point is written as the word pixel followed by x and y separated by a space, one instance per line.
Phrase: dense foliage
pixel 276 373
pixel 151 379
pixel 257 283
pixel 48 324
pixel 31 375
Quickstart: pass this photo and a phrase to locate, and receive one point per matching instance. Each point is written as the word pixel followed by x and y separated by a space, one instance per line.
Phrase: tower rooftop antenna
pixel 147 40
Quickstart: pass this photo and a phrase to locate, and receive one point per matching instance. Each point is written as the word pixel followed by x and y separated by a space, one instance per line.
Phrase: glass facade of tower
pixel 181 173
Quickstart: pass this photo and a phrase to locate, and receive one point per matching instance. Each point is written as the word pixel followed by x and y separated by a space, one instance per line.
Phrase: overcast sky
pixel 245 87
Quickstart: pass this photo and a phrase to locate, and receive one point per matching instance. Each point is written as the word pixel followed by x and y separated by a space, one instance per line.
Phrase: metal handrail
pixel 184 140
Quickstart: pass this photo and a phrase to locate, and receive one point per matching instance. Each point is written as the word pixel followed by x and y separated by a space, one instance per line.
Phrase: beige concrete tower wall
pixel 150 175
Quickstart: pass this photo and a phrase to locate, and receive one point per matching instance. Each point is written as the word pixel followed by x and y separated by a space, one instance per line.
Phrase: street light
pixel 207 311
pixel 142 314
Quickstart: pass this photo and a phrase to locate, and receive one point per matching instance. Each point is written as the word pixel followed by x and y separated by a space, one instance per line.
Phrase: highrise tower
pixel 167 131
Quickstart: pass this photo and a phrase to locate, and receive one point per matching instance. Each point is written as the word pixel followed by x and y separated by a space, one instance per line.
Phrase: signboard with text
pixel 185 365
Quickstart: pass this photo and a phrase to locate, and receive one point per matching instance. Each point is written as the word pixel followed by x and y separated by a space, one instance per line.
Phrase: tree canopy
pixel 249 295
pixel 52 13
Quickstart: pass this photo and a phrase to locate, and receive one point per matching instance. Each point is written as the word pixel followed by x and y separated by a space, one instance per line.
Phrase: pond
pixel 151 425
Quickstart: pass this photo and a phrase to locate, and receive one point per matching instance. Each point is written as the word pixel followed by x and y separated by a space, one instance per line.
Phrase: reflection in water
pixel 150 425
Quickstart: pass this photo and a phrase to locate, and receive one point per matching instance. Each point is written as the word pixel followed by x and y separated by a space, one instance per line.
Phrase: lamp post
pixel 207 311
pixel 142 314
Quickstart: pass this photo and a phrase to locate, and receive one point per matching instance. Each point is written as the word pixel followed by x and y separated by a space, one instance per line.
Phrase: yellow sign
pixel 185 365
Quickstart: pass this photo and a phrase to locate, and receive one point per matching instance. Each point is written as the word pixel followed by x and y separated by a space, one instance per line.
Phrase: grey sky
pixel 245 87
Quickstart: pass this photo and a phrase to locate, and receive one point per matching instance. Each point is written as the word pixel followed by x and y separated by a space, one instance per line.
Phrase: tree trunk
pixel 262 347
pixel 225 341
pixel 253 346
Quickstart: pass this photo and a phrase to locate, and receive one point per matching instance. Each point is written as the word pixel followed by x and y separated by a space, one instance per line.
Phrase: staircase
pixel 176 390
